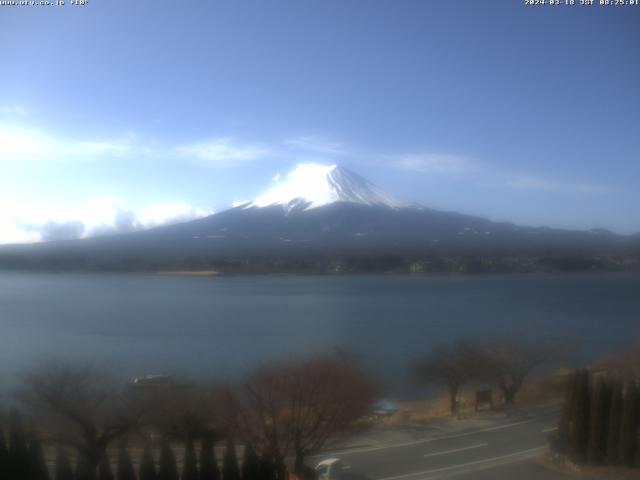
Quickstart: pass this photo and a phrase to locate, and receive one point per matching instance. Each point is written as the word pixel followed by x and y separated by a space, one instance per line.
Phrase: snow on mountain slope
pixel 312 185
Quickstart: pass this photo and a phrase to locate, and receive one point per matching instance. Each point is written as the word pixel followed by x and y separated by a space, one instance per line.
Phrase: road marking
pixel 419 442
pixel 523 454
pixel 462 449
pixel 482 467
pixel 550 429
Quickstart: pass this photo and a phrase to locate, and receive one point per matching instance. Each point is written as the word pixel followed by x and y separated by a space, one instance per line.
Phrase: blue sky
pixel 166 110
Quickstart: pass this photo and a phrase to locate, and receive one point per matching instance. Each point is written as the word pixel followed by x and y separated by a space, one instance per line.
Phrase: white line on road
pixel 523 454
pixel 426 440
pixel 462 449
pixel 547 430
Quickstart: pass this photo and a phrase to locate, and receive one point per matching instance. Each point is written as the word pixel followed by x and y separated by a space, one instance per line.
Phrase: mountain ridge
pixel 300 225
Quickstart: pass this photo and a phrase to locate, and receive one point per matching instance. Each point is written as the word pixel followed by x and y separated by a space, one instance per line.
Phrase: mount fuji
pixel 311 186
pixel 325 219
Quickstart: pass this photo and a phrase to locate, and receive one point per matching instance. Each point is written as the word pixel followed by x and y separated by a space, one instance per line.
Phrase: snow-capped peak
pixel 313 185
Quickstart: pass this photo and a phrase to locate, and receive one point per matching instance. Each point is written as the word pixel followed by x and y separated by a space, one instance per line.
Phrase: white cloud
pixel 102 215
pixel 168 212
pixel 14 110
pixel 485 175
pixel 12 232
pixel 526 182
pixel 223 151
pixel 317 145
pixel 429 162
pixel 19 144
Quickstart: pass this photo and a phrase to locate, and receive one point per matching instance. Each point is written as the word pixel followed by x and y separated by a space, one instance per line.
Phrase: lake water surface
pixel 223 327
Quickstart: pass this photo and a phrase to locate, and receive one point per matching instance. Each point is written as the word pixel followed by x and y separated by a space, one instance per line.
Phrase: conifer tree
pixel 104 468
pixel 250 464
pixel 18 451
pixel 63 470
pixel 600 396
pixel 37 462
pixel 280 468
pixel 615 419
pixel 147 465
pixel 230 470
pixel 629 426
pixel 580 420
pixel 208 462
pixel 84 471
pixel 168 469
pixel 267 468
pixel 4 456
pixel 124 470
pixel 190 462
pixel 563 435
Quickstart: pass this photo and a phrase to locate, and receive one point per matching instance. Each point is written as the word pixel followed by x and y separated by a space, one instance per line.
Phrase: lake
pixel 225 326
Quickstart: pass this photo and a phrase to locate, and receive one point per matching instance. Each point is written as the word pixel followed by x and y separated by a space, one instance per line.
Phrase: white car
pixel 329 469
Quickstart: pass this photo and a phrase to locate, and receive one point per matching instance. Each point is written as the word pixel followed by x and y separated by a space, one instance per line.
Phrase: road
pixel 507 449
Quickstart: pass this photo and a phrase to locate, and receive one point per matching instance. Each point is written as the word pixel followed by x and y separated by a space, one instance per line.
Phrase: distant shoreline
pixel 190 273
pixel 336 264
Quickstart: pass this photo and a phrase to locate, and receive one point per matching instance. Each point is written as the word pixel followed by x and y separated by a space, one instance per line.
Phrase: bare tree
pixel 510 362
pixel 452 367
pixel 80 407
pixel 628 361
pixel 188 412
pixel 298 406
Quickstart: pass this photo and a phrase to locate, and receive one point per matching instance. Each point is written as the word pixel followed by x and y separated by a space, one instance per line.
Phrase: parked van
pixel 329 469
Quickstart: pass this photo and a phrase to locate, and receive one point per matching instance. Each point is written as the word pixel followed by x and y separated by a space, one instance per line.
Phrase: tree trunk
pixel 615 418
pixel 629 427
pixel 88 460
pixel 453 399
pixel 298 466
pixel 281 469
pixel 580 420
pixel 509 395
pixel 600 397
pixel 87 469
